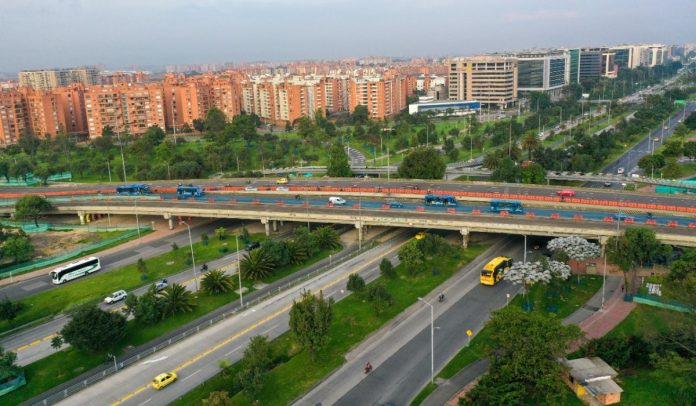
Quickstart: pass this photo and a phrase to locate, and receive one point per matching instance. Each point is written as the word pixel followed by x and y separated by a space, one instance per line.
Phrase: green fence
pixel 652 300
pixel 24 267
pixel 30 180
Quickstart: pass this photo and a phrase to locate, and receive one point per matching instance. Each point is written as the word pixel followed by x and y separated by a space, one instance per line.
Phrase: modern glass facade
pixel 621 57
pixel 557 72
pixel 530 73
pixel 574 64
pixel 590 64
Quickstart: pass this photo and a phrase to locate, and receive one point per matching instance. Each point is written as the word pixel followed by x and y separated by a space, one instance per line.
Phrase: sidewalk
pixel 591 318
pixel 161 230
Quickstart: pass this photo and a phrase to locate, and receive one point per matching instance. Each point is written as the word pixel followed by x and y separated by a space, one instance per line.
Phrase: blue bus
pixel 135 189
pixel 510 206
pixel 440 200
pixel 186 191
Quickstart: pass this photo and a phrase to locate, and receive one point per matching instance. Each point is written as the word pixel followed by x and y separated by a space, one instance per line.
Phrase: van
pixel 339 201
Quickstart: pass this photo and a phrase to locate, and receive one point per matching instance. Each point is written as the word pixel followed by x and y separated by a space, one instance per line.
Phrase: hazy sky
pixel 144 33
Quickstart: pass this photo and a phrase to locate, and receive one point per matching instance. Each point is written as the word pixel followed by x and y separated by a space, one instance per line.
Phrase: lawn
pixel 688 169
pixel 354 319
pixel 96 287
pixel 51 371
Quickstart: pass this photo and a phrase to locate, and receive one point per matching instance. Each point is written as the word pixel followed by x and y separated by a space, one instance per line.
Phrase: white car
pixel 115 297
pixel 281 189
pixel 620 171
pixel 339 201
pixel 251 189
pixel 160 285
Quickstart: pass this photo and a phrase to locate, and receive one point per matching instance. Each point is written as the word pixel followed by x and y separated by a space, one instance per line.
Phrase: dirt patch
pixel 52 243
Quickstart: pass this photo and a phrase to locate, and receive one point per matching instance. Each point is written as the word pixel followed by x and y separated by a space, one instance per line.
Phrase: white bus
pixel 75 270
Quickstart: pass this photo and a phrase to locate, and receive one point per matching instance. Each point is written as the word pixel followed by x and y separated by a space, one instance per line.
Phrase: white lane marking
pixel 145 402
pixel 268 330
pixel 155 360
pixel 183 379
pixel 234 350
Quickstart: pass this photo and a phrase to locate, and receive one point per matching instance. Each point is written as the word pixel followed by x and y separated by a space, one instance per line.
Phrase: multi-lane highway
pixel 196 358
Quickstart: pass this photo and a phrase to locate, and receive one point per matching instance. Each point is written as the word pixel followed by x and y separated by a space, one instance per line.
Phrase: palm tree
pixel 256 265
pixel 217 281
pixel 530 142
pixel 177 299
pixel 221 233
pixel 298 253
pixel 492 160
pixel 327 237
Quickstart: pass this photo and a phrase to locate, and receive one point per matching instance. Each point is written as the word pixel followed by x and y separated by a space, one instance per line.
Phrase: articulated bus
pixel 510 206
pixel 134 189
pixel 495 270
pixel 186 191
pixel 440 200
pixel 75 270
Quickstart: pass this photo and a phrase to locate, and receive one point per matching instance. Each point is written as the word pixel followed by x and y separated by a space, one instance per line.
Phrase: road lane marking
pixel 35 342
pixel 183 379
pixel 155 360
pixel 259 323
pixel 235 350
pixel 145 402
pixel 268 330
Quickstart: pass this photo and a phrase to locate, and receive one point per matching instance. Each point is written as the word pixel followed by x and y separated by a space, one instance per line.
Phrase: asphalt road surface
pixel 117 259
pixel 196 358
pixel 400 352
pixel 629 160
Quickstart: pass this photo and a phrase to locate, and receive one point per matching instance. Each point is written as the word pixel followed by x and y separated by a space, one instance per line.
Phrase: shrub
pixel 387 268
pixel 355 283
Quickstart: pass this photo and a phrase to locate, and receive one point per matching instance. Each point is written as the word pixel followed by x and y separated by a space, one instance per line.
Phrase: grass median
pixel 99 285
pixel 354 320
pixel 69 363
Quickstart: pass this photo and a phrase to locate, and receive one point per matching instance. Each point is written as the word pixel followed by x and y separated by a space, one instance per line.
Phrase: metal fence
pixel 14 270
pixel 652 300
pixel 272 291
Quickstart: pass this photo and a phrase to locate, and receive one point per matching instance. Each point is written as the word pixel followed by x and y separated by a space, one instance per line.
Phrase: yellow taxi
pixel 281 181
pixel 420 235
pixel 163 380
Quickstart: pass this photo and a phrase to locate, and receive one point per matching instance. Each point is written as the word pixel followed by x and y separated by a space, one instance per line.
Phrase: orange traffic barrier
pixel 420 208
pixel 577 217
pixel 329 204
pixel 608 219
pixel 692 225
pixel 629 220
pixel 504 213
pixel 356 206
pixel 385 207
pixel 256 202
pixel 451 210
pixel 280 203
pixel 530 214
pixel 233 201
pixel 672 223
pixel 651 222
pixel 211 200
pixel 305 204
pixel 475 211
pixel 555 215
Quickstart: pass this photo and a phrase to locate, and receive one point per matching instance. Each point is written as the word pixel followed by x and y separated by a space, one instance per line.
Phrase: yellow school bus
pixel 495 270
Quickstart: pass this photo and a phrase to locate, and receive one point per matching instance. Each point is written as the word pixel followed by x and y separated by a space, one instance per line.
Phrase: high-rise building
pixel 382 95
pixel 633 56
pixel 13 116
pixel 589 63
pixel 126 108
pixel 542 71
pixel 52 78
pixel 609 67
pixel 489 79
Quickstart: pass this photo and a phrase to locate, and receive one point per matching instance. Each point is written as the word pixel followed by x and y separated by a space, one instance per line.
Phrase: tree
pixel 8 366
pixel 57 342
pixel 175 247
pixel 533 173
pixel 93 329
pixel 256 265
pixel 215 119
pixel 507 171
pixel 360 115
pixel 5 170
pixel 199 125
pixel 21 169
pixel 636 247
pixel 423 163
pixel 671 170
pixel 689 149
pixel 650 164
pixel 453 155
pixel 204 239
pixel 523 352
pixel 9 309
pixel 142 267
pixel 411 256
pixel 327 237
pixel 131 304
pixel 255 363
pixel 243 127
pixel 530 142
pixel 28 142
pixel 19 247
pixel 387 268
pixel 218 398
pixel 380 297
pixel 43 172
pixel 573 247
pixel 355 283
pixel 216 282
pixel 310 320
pixel 177 299
pixel 31 207
pixel 678 374
pixel 221 233
pixel 338 166
pixel 150 308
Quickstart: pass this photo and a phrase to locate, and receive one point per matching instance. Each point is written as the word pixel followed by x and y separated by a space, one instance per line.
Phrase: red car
pixel 566 193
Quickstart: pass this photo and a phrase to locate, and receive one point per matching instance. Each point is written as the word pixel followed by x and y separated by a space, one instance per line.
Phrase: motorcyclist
pixel 441 298
pixel 368 367
pixel 204 267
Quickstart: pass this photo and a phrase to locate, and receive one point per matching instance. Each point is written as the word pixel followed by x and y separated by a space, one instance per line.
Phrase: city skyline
pixel 175 32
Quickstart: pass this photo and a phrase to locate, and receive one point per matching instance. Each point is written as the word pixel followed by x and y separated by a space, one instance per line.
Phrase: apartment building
pixel 542 71
pixel 43 114
pixel 53 78
pixel 13 116
pixel 383 95
pixel 489 79
pixel 71 107
pixel 336 93
pixel 131 108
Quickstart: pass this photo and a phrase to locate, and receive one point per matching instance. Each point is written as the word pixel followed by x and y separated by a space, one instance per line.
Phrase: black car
pixel 253 245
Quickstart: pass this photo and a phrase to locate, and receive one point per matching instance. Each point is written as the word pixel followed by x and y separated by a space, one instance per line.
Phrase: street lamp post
pixel 432 340
pixel 525 249
pixel 239 272
pixel 193 257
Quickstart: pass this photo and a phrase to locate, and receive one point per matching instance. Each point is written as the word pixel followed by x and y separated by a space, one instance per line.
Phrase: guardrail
pixel 83 383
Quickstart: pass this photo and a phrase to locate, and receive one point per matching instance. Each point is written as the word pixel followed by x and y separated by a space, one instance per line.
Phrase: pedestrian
pixel 622 287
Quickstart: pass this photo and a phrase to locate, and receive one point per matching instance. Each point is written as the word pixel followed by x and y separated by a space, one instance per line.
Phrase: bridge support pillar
pixel 168 217
pixel 265 222
pixel 81 215
pixel 465 237
pixel 275 226
pixel 359 226
pixel 603 245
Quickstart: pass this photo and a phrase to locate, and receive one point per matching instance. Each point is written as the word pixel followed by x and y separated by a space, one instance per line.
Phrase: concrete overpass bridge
pixel 474 221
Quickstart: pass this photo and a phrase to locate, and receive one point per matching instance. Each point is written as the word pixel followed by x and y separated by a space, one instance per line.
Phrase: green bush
pixel 355 283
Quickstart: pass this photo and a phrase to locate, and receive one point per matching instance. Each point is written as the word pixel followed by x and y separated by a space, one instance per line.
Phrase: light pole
pixel 137 219
pixel 123 160
pixel 239 272
pixel 432 340
pixel 604 274
pixel 193 258
pixel 525 249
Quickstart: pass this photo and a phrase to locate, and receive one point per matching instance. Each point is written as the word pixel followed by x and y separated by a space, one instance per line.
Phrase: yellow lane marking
pixel 35 342
pixel 255 325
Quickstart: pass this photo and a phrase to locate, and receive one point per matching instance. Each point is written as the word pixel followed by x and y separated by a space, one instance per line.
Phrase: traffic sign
pixel 680 102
